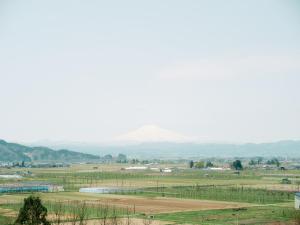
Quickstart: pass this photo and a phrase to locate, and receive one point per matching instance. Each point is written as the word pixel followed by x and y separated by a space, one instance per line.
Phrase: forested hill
pixel 10 152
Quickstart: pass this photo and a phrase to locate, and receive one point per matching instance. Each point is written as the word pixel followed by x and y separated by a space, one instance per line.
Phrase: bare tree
pixel 105 214
pixel 83 214
pixel 99 213
pixel 58 213
pixel 74 215
pixel 114 218
pixel 102 214
pixel 297 218
pixel 147 220
pixel 128 220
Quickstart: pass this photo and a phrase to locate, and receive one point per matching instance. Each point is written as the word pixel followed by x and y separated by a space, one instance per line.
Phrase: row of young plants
pixel 90 176
pixel 221 193
pixel 219 175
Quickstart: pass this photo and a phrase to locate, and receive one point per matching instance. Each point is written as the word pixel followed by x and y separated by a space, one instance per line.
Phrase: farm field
pixel 184 196
pixel 137 203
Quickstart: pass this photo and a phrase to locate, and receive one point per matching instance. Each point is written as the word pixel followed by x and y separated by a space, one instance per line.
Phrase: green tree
pixel 252 162
pixel 259 160
pixel 135 161
pixel 237 164
pixel 108 158
pixel 122 158
pixel 273 161
pixel 199 165
pixel 32 213
pixel 209 164
pixel 191 164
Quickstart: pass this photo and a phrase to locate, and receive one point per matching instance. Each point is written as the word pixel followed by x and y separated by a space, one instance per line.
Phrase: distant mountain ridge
pixel 158 150
pixel 171 150
pixel 10 152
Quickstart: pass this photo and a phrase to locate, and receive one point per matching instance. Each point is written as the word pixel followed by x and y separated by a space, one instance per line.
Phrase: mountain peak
pixel 152 133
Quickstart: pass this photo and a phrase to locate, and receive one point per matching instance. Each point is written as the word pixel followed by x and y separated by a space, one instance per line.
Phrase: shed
pixel 297 200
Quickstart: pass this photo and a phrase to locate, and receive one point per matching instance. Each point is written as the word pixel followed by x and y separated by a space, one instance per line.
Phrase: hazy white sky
pixel 91 70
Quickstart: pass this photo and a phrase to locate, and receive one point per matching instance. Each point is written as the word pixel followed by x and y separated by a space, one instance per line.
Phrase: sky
pixel 91 70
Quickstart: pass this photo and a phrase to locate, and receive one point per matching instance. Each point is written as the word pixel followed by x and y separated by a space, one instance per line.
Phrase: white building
pixel 166 170
pixel 136 168
pixel 297 200
pixel 10 177
pixel 100 190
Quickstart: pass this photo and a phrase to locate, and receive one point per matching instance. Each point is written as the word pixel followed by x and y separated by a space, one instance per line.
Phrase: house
pixel 297 200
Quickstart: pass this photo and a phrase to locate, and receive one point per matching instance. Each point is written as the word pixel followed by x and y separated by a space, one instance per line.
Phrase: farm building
pixel 100 190
pixel 155 169
pixel 136 168
pixel 7 176
pixel 17 188
pixel 166 170
pixel 297 200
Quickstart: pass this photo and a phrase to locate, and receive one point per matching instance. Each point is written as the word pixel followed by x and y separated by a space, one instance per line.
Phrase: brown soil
pixel 8 212
pixel 162 205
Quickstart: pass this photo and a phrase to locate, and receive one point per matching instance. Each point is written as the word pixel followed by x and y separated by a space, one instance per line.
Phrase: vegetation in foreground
pixel 32 212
